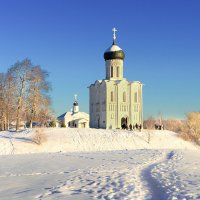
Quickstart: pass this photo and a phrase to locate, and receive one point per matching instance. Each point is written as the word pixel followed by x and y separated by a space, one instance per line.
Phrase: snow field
pixel 179 175
pixel 79 140
pixel 100 175
pixel 98 164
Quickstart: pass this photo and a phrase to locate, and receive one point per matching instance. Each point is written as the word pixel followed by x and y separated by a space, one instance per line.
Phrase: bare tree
pixel 23 95
pixel 37 94
pixel 20 72
pixel 149 123
pixel 10 101
pixel 2 101
pixel 39 137
pixel 45 115
pixel 193 123
pixel 174 125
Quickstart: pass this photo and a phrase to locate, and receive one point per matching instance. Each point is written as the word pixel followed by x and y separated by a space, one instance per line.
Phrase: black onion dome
pixel 75 103
pixel 114 52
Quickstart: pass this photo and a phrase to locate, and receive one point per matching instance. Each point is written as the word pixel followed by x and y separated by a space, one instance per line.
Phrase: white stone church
pixel 115 102
pixel 74 118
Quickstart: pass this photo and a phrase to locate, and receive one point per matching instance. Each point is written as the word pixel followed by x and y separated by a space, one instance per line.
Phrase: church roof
pixel 62 116
pixel 114 52
pixel 75 103
pixel 73 116
pixel 114 82
pixel 80 115
pixel 113 48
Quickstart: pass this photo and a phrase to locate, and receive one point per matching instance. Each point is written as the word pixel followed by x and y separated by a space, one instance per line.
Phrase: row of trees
pixel 24 95
pixel 188 129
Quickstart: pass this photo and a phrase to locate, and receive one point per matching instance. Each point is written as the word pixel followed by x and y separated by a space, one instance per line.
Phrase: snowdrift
pixel 78 140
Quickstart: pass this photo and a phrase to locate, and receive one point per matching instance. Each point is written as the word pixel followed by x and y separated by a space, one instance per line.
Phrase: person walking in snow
pixel 130 127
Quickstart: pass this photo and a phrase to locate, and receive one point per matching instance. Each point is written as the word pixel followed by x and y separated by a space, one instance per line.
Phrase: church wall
pixel 92 106
pixel 76 121
pixel 123 104
pixel 114 63
pixel 111 105
pixel 117 108
pixel 66 120
pixel 109 113
pixel 81 123
pixel 102 105
pixel 98 105
pixel 123 108
pixel 136 88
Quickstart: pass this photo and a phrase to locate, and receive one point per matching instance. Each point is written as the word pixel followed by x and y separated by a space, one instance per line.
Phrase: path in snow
pixel 108 175
pixel 151 171
pixel 118 179
pixel 175 177
pixel 138 174
pixel 155 189
pixel 179 175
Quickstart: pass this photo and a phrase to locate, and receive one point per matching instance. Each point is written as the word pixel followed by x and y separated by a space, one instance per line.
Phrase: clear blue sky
pixel 161 41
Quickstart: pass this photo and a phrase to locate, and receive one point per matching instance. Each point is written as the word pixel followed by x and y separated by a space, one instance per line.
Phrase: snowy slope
pixel 76 140
pixel 98 164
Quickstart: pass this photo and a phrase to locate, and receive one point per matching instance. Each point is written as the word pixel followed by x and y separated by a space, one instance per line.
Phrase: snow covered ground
pixel 78 140
pixel 98 164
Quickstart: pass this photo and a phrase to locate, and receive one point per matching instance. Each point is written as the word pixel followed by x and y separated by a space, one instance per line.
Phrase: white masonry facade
pixel 115 102
pixel 74 118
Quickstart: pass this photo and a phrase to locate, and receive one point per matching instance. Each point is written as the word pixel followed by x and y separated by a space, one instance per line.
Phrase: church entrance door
pixel 83 125
pixel 124 122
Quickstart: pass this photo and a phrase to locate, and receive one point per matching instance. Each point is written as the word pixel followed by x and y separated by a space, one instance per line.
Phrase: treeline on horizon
pixel 188 129
pixel 24 95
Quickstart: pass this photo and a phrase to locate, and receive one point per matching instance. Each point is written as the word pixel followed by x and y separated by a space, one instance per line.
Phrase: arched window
pixel 112 97
pixel 111 73
pixel 135 97
pixel 117 71
pixel 124 96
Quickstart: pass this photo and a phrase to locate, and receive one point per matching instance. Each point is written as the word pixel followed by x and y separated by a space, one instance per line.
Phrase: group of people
pixel 159 127
pixel 132 127
pixel 139 127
